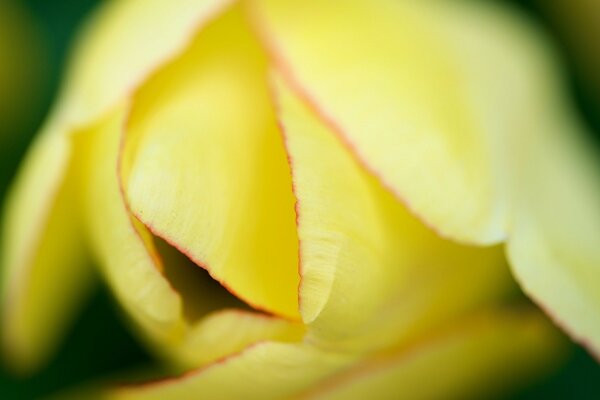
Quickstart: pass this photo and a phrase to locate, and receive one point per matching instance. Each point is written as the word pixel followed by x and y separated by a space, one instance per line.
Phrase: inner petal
pixel 204 167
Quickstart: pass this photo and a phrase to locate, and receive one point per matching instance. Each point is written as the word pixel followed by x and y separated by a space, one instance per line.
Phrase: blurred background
pixel 35 37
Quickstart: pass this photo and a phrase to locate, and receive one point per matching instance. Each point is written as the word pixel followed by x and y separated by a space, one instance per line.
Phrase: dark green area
pixel 99 344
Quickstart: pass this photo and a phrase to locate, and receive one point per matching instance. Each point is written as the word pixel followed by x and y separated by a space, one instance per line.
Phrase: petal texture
pixel 458 108
pixel 134 269
pixel 42 261
pixel 381 75
pixel 371 273
pixel 264 371
pixel 485 351
pixel 204 167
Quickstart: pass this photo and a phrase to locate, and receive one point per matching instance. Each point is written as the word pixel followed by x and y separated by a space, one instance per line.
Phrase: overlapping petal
pixel 136 270
pixel 122 45
pixel 457 108
pixel 380 73
pixel 474 351
pixel 464 361
pixel 372 274
pixel 44 274
pixel 204 167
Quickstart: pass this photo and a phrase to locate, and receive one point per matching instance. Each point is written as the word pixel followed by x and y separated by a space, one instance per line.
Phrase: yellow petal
pixel 122 253
pixel 223 333
pixel 205 169
pixel 264 371
pixel 371 273
pixel 486 355
pixel 122 45
pixel 44 270
pixel 555 245
pixel 134 269
pixel 42 247
pixel 481 354
pixel 551 172
pixel 380 74
pixel 497 163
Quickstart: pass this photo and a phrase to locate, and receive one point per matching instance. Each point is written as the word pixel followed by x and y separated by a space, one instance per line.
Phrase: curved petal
pixel 264 371
pixel 381 75
pixel 134 268
pixel 204 167
pixel 482 354
pixel 555 244
pixel 524 174
pixel 551 173
pixel 124 43
pixel 229 331
pixel 372 274
pixel 485 355
pixel 42 248
pixel 45 272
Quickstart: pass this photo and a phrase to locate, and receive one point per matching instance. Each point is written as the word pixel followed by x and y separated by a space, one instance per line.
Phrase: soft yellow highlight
pixel 382 74
pixel 205 167
pixel 500 157
pixel 363 253
pixel 123 44
pixel 262 372
pixel 132 266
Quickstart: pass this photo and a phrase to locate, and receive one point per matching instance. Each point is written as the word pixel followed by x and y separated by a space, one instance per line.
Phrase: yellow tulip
pixel 350 175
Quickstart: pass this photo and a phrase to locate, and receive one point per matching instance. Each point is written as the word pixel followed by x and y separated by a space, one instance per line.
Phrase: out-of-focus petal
pixel 487 351
pixel 204 167
pixel 485 355
pixel 134 268
pixel 124 43
pixel 44 275
pixel 44 271
pixel 550 172
pixel 264 371
pixel 381 75
pixel 555 245
pixel 483 146
pixel 371 273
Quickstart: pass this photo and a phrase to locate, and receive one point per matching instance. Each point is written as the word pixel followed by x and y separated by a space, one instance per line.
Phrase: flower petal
pixel 482 354
pixel 457 106
pixel 372 274
pixel 380 74
pixel 45 273
pixel 489 354
pixel 204 167
pixel 122 253
pixel 124 43
pixel 264 371
pixel 134 268
pixel 551 173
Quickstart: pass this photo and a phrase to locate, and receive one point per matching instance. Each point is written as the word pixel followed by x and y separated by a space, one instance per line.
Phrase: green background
pixel 99 344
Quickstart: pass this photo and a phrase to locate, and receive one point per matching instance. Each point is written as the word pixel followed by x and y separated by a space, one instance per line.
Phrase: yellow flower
pixel 352 172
